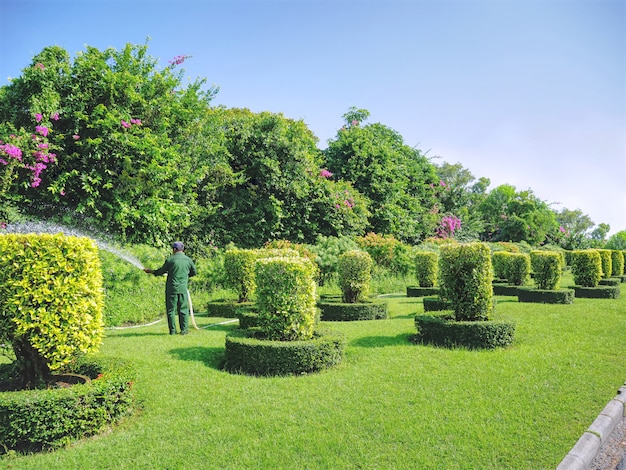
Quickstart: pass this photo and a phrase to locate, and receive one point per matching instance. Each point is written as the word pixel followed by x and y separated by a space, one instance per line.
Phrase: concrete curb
pixel 584 451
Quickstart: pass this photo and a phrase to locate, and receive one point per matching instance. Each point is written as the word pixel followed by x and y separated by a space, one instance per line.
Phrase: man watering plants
pixel 179 268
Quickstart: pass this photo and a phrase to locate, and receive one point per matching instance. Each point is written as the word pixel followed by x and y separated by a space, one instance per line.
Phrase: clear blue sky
pixel 525 92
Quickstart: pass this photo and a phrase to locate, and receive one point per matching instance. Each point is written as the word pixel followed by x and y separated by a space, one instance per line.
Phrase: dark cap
pixel 178 246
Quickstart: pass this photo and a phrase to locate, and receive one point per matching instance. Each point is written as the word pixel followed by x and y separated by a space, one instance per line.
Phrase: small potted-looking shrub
pixel 587 272
pixel 287 339
pixel 547 269
pixel 465 281
pixel 426 268
pixel 354 271
pixel 514 268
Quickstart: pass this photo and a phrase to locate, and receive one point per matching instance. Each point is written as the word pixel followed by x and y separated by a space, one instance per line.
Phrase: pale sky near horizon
pixel 530 93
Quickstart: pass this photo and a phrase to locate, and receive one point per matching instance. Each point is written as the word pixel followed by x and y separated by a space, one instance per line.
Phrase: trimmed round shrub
pixel 355 275
pixel 342 311
pixel 517 268
pixel 51 301
pixel 426 268
pixel 586 267
pixel 547 268
pixel 465 280
pixel 286 298
pixel 239 272
pixel 607 264
pixel 545 296
pixel 499 261
pixel 41 419
pixel 597 292
pixel 443 330
pixel 251 352
pixel 617 262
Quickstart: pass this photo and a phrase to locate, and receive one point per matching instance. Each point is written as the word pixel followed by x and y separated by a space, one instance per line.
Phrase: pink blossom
pixel 325 173
pixel 442 183
pixel 62 193
pixel 3 225
pixel 75 137
pixel 12 151
pixel 43 145
pixel 40 66
pixel 38 117
pixel 43 130
pixel 55 116
pixel 136 121
pixel 561 229
pixel 179 59
pixel 125 124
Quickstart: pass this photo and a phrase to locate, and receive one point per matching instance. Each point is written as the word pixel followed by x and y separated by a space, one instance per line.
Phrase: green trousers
pixel 177 304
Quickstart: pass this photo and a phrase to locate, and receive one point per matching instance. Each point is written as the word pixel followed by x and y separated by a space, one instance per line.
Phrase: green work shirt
pixel 179 268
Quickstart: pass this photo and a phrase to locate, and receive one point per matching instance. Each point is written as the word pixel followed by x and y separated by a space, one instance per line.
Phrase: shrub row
pixel 547 268
pixel 586 267
pixel 598 292
pixel 34 420
pixel 442 330
pixel 545 296
pixel 426 268
pixel 413 291
pixel 250 352
pixel 227 308
pixel 342 311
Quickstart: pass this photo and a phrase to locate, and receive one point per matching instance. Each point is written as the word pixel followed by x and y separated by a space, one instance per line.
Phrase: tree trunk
pixel 32 367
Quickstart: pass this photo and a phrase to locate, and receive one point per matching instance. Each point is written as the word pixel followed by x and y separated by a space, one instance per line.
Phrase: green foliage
pixel 249 352
pixel 426 268
pixel 327 251
pixel 50 300
pixel 388 252
pixel 397 179
pixel 547 268
pixel 515 216
pixel 607 267
pixel 586 267
pixel 518 268
pixel 286 298
pixel 127 162
pixel 617 241
pixel 617 262
pixel 597 292
pixel 355 275
pixel 34 420
pixel 465 280
pixel 239 272
pixel 499 261
pixel 442 329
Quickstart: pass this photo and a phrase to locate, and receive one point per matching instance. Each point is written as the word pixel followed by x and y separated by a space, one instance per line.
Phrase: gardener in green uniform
pixel 179 268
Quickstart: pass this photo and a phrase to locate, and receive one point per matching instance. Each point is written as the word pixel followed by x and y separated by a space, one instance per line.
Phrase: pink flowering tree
pixel 447 226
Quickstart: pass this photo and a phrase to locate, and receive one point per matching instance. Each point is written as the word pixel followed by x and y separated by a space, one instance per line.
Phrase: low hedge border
pixel 442 330
pixel 340 311
pixel 227 308
pixel 44 419
pixel 504 289
pixel 610 281
pixel 544 296
pixel 416 291
pixel 435 304
pixel 248 353
pixel 598 292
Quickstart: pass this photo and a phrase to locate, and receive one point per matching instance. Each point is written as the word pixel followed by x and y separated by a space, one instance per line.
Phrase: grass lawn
pixel 391 404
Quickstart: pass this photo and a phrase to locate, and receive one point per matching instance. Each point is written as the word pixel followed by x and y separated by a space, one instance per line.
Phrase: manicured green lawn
pixel 391 404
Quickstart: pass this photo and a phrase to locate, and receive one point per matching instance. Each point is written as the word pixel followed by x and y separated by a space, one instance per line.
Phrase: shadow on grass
pixel 382 341
pixel 403 317
pixel 131 334
pixel 211 357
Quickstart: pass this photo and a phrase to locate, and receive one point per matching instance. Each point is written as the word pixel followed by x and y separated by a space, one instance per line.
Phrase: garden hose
pixel 193 319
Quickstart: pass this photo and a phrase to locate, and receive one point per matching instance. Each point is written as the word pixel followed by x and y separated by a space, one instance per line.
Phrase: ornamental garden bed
pixel 341 311
pixel 82 400
pixel 249 352
pixel 598 292
pixel 441 329
pixel 545 296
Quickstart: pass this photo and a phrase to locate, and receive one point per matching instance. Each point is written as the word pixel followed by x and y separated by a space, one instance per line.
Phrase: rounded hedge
pixel 40 419
pixel 435 304
pixel 598 292
pixel 415 291
pixel 248 352
pixel 426 268
pixel 545 296
pixel 341 311
pixel 443 330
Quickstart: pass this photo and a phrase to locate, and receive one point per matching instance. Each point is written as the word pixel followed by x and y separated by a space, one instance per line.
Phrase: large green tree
pixel 278 189
pixel 128 158
pixel 397 179
pixel 514 216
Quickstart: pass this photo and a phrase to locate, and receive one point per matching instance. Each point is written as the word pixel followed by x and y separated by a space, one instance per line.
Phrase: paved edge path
pixel 600 440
